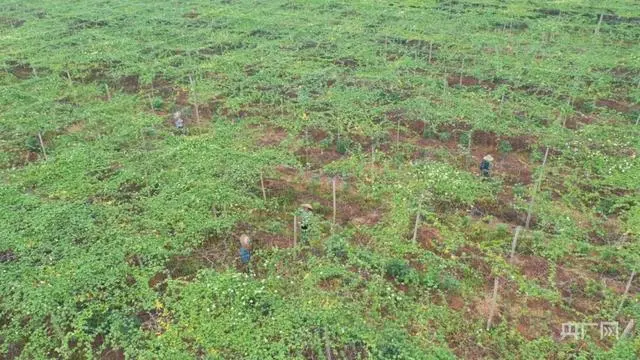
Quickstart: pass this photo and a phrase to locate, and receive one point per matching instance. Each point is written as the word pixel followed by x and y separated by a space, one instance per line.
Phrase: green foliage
pixel 123 241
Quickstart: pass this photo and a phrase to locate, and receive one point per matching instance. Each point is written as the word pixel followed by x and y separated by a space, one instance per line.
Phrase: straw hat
pixel 245 241
pixel 306 206
pixel 488 158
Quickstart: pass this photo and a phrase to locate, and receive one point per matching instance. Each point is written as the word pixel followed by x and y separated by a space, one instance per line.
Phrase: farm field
pixel 119 229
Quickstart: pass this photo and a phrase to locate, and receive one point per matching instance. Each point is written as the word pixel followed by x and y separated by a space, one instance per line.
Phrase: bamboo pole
pixel 327 348
pixel 492 310
pixel 264 192
pixel 44 151
pixel 295 230
pixel 629 328
pixel 535 190
pixel 514 243
pixel 195 98
pixel 597 31
pixel 415 227
pixel 626 291
pixel 470 154
pixel 333 185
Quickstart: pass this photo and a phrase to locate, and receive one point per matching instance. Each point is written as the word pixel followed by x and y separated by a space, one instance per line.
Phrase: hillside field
pixel 119 228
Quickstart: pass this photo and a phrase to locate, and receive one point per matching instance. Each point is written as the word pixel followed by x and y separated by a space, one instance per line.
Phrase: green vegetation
pixel 118 231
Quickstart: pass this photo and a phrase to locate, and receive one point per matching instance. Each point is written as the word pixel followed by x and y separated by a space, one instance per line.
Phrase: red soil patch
pixel 316 158
pixel 465 80
pixel 540 318
pixel 130 83
pixel 76 127
pixel 330 283
pixel 369 219
pixel 572 285
pixel 618 106
pixel 427 236
pixel 464 346
pixel 157 279
pixel 112 354
pixel 455 302
pixel 22 71
pixel 512 167
pixel 317 134
pixel 520 143
pixel 484 138
pixel 272 136
pixel 265 239
pixel 532 266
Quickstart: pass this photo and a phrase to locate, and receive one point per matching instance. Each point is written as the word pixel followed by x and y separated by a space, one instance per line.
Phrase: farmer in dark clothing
pixel 485 166
pixel 245 249
pixel 306 215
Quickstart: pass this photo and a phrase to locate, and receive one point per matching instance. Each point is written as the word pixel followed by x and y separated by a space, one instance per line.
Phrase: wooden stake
pixel 514 243
pixel 626 291
pixel 629 328
pixel 493 303
pixel 373 154
pixel 470 155
pixel 415 227
pixel 106 86
pixel 444 87
pixel 195 97
pixel 44 151
pixel 638 119
pixel 430 49
pixel 535 190
pixel 327 348
pixel 333 183
pixel 264 192
pixel 398 133
pixel 597 31
pixel 295 230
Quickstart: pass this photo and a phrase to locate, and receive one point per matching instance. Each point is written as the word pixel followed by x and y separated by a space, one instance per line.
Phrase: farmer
pixel 306 218
pixel 485 166
pixel 245 249
pixel 177 120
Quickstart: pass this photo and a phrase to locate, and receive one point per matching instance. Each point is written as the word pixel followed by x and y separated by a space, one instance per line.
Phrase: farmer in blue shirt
pixel 245 249
pixel 485 166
